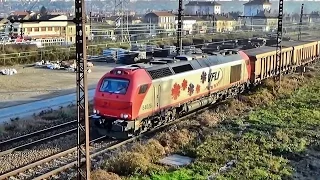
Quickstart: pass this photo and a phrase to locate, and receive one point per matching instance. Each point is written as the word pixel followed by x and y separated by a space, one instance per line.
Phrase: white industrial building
pixel 202 8
pixel 254 7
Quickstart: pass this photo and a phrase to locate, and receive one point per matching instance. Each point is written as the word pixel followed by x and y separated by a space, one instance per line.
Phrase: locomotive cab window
pixel 114 86
pixel 143 88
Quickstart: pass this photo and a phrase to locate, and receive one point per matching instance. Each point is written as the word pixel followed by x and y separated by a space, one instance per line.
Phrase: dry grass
pixel 208 118
pixel 44 120
pixel 19 127
pixel 141 158
pixel 104 175
pixel 138 160
pixel 153 150
pixel 126 163
pixel 173 140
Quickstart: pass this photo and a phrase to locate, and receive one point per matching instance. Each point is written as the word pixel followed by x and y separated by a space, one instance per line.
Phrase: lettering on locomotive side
pixel 146 106
pixel 215 76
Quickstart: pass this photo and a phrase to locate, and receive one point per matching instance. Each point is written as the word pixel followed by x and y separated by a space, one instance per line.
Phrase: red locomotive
pixel 135 98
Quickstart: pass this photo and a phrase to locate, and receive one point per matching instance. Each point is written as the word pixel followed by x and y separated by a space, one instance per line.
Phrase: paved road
pixel 29 109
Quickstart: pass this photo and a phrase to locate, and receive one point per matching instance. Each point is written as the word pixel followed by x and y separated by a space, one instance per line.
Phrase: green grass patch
pixel 268 143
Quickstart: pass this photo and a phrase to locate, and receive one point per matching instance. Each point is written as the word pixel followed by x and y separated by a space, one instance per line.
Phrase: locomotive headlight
pixel 124 116
pixel 95 111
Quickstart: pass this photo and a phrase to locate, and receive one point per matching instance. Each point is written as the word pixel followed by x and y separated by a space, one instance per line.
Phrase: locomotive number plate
pixel 146 106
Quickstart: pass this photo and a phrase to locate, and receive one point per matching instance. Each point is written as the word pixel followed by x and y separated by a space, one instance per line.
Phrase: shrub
pixel 176 139
pixel 127 163
pixel 104 175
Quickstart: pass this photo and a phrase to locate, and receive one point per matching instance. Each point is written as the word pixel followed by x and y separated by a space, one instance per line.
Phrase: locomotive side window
pixel 143 88
pixel 116 86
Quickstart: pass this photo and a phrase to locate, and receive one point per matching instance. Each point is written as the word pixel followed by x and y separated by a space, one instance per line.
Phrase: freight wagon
pixel 133 99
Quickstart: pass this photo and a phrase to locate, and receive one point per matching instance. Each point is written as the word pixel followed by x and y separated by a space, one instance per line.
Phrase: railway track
pixel 54 166
pixel 38 137
pixel 37 169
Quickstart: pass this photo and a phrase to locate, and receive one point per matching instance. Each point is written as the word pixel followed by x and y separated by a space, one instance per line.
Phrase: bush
pixel 127 163
pixel 104 175
pixel 174 140
pixel 138 160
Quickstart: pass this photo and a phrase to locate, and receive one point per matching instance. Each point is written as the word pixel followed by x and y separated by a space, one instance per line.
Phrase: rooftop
pixel 219 17
pixel 257 2
pixel 16 17
pixel 266 14
pixel 43 17
pixel 203 3
pixel 161 13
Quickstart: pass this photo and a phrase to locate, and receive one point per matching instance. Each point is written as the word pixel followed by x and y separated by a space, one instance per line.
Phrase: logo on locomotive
pixel 215 76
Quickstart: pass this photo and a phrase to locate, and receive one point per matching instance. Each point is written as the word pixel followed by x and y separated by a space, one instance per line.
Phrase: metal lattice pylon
pixel 121 12
pixel 83 165
pixel 82 93
pixel 300 24
pixel 279 40
pixel 179 33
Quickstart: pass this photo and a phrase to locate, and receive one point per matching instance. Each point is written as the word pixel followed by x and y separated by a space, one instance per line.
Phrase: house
pixel 45 29
pixel 70 33
pixel 188 24
pixel 223 23
pixel 13 29
pixel 202 8
pixel 253 7
pixel 264 21
pixel 210 24
pixel 164 19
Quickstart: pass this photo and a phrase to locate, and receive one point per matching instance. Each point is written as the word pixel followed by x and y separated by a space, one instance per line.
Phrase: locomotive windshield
pixel 116 86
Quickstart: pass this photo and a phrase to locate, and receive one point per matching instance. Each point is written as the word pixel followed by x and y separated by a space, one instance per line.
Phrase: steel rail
pixel 72 164
pixel 31 135
pixel 2 153
pixel 42 161
pixel 72 150
pixel 19 138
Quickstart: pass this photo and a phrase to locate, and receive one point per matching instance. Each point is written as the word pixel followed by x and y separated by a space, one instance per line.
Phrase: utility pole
pixel 21 32
pixel 90 17
pixel 179 34
pixel 279 40
pixel 83 167
pixel 82 92
pixel 120 7
pixel 300 24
